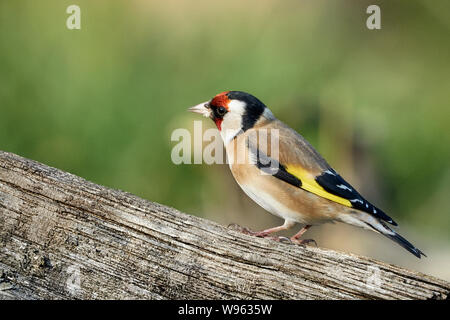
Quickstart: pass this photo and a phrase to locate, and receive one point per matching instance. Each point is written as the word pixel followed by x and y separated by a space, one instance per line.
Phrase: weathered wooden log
pixel 62 237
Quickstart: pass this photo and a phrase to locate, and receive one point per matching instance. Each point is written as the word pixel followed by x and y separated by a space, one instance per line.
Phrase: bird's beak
pixel 202 108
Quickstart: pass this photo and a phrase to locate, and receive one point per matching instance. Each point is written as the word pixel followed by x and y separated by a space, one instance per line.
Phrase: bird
pixel 285 175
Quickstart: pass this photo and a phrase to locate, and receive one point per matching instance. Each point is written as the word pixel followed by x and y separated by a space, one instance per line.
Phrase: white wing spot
pixel 329 172
pixel 357 200
pixel 344 187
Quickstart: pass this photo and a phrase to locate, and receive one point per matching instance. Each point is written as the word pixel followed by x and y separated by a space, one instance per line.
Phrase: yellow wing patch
pixel 309 184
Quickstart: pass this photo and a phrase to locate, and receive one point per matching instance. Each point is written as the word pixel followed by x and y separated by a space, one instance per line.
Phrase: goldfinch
pixel 287 176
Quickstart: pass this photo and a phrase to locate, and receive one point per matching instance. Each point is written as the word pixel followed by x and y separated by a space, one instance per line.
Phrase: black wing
pixel 329 180
pixel 335 184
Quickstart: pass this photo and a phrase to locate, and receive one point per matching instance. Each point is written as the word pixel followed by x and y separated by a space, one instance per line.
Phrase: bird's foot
pixel 303 242
pixel 259 234
pixel 244 230
pixel 282 239
pixel 265 235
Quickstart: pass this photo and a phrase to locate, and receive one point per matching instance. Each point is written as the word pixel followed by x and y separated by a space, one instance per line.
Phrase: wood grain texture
pixel 62 237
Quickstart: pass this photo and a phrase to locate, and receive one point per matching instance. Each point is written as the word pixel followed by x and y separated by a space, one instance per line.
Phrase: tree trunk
pixel 62 237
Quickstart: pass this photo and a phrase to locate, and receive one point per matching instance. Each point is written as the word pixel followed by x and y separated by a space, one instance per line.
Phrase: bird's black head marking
pixel 254 108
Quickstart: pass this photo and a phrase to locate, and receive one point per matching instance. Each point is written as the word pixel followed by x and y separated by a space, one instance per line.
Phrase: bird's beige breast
pixel 283 199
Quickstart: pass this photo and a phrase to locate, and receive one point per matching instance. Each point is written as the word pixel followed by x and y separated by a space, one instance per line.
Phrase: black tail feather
pixel 394 236
pixel 405 244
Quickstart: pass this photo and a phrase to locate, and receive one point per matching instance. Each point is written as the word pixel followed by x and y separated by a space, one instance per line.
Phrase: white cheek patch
pixel 232 121
pixel 236 107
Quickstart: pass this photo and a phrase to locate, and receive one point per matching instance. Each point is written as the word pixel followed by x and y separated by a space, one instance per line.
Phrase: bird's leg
pixel 295 238
pixel 266 233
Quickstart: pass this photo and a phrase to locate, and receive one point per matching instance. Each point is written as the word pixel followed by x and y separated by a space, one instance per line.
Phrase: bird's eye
pixel 221 111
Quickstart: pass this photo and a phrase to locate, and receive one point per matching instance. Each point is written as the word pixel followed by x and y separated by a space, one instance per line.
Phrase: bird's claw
pixel 275 238
pixel 259 234
pixel 284 240
pixel 303 242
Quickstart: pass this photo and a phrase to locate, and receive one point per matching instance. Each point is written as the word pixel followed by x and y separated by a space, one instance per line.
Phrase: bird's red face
pixel 219 107
pixel 216 108
pixel 234 111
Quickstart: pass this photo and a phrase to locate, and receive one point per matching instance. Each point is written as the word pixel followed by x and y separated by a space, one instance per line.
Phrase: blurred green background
pixel 102 102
